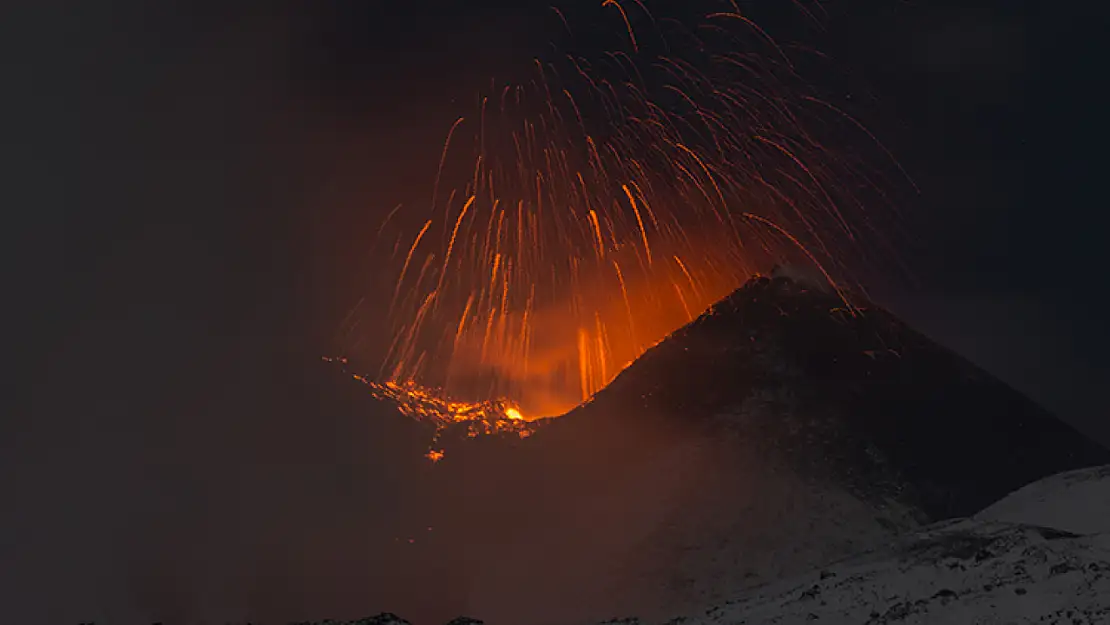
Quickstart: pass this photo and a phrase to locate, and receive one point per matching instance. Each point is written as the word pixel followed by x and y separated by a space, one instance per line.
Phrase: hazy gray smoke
pixel 192 196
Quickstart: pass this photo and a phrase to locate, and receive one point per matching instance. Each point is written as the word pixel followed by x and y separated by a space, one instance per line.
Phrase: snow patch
pixel 1075 501
pixel 986 573
pixel 806 276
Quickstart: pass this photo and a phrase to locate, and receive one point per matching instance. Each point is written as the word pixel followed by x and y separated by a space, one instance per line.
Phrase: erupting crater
pixel 598 203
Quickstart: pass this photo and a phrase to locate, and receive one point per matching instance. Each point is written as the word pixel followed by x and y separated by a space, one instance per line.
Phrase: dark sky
pixel 189 192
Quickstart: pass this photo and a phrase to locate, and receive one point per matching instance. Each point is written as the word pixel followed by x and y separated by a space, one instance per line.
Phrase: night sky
pixel 190 191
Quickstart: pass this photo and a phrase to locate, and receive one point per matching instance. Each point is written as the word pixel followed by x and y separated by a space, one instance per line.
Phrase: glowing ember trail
pixel 602 203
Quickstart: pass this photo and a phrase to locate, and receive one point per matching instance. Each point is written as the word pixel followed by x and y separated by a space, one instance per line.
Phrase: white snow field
pixel 1040 555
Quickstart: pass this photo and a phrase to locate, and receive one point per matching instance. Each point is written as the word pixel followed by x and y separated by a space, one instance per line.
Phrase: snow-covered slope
pixel 978 570
pixel 1075 501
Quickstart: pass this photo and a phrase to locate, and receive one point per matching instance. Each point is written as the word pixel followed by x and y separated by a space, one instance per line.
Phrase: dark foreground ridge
pixel 387 618
pixel 850 393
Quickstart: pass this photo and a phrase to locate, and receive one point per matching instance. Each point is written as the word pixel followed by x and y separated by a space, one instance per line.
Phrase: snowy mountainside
pixel 1076 501
pixel 979 572
pixel 976 570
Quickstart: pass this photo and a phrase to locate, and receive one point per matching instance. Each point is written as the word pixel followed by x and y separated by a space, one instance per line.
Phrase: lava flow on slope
pixel 491 417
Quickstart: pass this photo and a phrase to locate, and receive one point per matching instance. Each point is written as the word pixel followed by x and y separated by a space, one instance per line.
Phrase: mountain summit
pixel 850 393
pixel 780 431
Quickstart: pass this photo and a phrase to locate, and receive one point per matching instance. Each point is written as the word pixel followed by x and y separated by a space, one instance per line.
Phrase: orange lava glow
pixel 582 215
pixel 423 404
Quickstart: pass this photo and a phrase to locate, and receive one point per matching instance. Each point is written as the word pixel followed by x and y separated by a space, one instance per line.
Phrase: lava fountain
pixel 582 214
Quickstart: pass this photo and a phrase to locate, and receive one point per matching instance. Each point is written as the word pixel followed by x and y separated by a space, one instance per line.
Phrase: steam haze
pixel 191 193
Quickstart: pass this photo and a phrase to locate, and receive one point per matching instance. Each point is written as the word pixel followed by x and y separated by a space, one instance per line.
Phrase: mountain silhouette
pixel 847 392
pixel 781 430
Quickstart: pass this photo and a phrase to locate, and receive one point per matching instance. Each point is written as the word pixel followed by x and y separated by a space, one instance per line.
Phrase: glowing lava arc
pixel 601 204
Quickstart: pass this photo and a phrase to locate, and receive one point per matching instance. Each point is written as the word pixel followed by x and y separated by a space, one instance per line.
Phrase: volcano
pixel 846 393
pixel 780 431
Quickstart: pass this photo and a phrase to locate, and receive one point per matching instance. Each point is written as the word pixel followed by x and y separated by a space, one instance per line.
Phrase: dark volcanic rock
pixel 391 619
pixel 847 393
pixel 385 618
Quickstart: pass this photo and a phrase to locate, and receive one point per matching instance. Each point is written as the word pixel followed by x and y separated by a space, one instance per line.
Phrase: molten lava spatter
pixel 499 416
pixel 584 213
